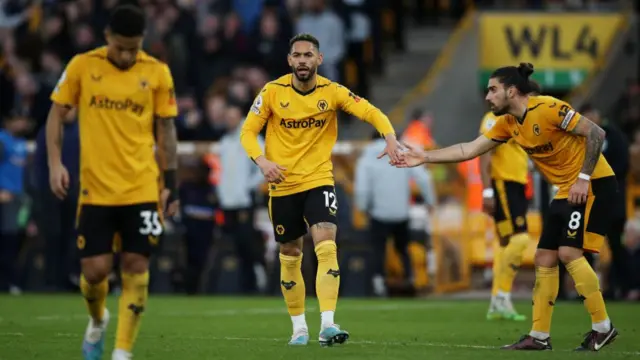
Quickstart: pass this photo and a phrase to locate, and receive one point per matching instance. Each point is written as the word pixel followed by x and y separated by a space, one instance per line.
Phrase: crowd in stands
pixel 220 51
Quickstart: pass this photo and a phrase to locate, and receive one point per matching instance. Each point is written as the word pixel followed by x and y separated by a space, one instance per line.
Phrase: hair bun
pixel 525 69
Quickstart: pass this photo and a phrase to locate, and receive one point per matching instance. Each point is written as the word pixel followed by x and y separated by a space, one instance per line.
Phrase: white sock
pixel 602 326
pixel 506 296
pixel 326 319
pixel 299 322
pixel 539 335
pixel 119 354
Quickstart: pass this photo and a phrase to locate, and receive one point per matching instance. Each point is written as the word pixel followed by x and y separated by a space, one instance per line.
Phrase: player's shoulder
pixel 545 103
pixel 150 61
pixel 280 83
pixel 84 58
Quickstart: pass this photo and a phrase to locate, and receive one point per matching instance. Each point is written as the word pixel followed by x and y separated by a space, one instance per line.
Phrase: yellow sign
pixel 548 41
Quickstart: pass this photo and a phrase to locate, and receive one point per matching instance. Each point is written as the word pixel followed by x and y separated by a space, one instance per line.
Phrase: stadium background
pixel 423 62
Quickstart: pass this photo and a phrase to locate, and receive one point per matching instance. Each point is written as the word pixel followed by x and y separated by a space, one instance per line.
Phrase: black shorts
pixel 291 215
pixel 510 214
pixel 127 228
pixel 583 226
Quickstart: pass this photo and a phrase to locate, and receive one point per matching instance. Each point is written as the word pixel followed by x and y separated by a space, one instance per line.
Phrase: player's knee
pixel 134 263
pixel 96 268
pixel 290 249
pixel 568 254
pixel 546 258
pixel 323 231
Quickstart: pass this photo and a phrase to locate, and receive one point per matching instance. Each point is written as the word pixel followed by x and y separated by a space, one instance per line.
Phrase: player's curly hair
pixel 304 37
pixel 517 76
pixel 127 20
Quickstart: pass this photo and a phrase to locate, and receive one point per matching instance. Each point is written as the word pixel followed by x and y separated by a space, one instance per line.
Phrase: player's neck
pixel 519 108
pixel 304 86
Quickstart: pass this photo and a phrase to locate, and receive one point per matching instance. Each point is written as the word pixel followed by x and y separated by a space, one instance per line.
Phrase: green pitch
pixel 51 327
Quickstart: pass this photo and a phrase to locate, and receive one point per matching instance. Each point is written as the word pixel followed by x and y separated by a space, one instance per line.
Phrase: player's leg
pixel 586 227
pixel 320 211
pixel 378 233
pixel 504 230
pixel 140 227
pixel 514 203
pixel 545 290
pixel 289 227
pixel 96 231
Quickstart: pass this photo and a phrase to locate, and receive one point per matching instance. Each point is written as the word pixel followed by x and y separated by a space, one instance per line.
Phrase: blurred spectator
pixel 55 218
pixel 13 159
pixel 388 211
pixel 198 206
pixel 323 23
pixel 240 177
pixel 616 150
pixel 271 47
pixel 419 130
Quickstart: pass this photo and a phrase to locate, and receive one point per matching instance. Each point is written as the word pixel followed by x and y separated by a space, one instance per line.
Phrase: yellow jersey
pixel 544 134
pixel 508 162
pixel 302 129
pixel 116 112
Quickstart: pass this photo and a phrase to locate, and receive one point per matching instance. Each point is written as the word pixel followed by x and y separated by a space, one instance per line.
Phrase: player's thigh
pixel 140 228
pixel 554 224
pixel 588 224
pixel 287 217
pixel 97 227
pixel 320 213
pixel 508 216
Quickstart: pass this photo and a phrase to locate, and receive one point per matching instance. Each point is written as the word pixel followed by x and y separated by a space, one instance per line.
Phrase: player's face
pixel 304 60
pixel 122 50
pixel 498 97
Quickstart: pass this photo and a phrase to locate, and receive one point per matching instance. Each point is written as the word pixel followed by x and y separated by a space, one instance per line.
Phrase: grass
pixel 51 327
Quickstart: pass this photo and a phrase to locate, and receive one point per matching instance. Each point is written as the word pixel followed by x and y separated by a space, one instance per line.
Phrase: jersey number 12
pixel 330 200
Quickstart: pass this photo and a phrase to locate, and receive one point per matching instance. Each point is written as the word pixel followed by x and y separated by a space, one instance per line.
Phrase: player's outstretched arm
pixel 455 153
pixel 58 175
pixel 595 138
pixel 167 138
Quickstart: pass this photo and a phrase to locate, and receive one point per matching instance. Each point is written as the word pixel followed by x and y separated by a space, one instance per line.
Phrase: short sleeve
pixel 261 106
pixel 499 131
pixel 165 96
pixel 488 121
pixel 67 90
pixel 562 115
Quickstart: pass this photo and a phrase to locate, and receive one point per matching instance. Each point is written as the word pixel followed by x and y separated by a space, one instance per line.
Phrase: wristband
pixel 487 193
pixel 170 184
pixel 584 176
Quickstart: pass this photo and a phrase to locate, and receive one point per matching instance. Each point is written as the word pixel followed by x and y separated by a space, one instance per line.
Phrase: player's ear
pixel 289 59
pixel 320 58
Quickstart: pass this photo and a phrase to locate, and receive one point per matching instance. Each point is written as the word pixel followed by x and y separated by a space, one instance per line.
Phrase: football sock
pixel 327 280
pixel 497 258
pixel 293 289
pixel 511 260
pixel 545 292
pixel 588 286
pixel 95 296
pixel 132 304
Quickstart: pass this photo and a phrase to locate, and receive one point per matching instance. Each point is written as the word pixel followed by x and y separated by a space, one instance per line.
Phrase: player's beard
pixel 502 110
pixel 310 73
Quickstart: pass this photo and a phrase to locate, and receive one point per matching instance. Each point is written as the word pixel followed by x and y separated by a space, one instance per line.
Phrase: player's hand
pixel 172 207
pixel 272 172
pixel 59 181
pixel 412 156
pixel 578 192
pixel 393 149
pixel 488 205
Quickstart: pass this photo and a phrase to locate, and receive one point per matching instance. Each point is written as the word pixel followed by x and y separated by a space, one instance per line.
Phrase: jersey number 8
pixel 150 223
pixel 574 220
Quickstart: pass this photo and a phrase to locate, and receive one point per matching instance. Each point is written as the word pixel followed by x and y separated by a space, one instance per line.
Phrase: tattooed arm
pixel 167 144
pixel 168 159
pixel 595 138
